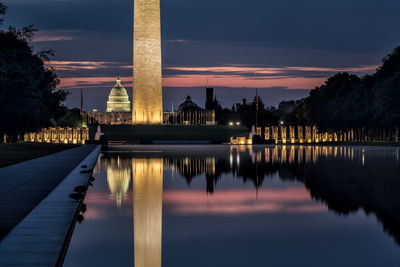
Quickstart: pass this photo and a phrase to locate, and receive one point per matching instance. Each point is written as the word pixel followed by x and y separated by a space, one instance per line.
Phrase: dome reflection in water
pixel 242 206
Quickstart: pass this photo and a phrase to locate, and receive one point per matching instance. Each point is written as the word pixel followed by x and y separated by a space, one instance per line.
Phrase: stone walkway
pixel 24 185
pixel 42 237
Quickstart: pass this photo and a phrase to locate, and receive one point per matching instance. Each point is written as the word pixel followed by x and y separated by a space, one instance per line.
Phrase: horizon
pixel 276 47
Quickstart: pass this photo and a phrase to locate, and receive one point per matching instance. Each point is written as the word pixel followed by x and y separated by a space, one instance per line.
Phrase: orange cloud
pixel 229 69
pixel 78 65
pixel 224 76
pixel 79 82
pixel 200 80
pixel 238 81
pixel 267 70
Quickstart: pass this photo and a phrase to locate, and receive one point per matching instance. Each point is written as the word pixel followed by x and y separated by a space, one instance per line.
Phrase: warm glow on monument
pixel 147 177
pixel 147 76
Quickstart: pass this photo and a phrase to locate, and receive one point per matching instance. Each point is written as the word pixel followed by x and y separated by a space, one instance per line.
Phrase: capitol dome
pixel 118 100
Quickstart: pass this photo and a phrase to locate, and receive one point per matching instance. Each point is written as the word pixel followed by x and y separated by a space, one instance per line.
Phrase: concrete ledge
pixel 39 239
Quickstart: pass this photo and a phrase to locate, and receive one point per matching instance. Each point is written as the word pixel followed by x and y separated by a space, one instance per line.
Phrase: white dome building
pixel 118 100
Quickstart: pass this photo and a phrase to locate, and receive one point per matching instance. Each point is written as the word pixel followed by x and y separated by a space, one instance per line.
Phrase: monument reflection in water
pixel 251 204
pixel 147 207
pixel 147 176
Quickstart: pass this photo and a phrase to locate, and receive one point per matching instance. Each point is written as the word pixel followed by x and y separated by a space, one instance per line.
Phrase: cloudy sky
pixel 284 48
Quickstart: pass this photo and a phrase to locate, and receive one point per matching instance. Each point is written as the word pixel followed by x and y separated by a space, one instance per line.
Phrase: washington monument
pixel 147 76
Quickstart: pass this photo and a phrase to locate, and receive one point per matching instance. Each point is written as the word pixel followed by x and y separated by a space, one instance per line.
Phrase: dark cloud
pixel 256 33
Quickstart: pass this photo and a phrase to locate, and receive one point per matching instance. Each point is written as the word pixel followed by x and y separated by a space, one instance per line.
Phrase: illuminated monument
pixel 147 175
pixel 147 77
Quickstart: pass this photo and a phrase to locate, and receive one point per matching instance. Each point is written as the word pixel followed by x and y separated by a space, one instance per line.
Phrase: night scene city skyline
pixel 175 133
pixel 283 48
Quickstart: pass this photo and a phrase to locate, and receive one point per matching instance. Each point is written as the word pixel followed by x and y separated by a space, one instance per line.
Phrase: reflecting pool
pixel 220 205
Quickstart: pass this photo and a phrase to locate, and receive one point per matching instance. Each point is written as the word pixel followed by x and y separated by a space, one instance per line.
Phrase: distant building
pixel 243 105
pixel 118 108
pixel 169 117
pixel 211 100
pixel 189 113
pixel 118 100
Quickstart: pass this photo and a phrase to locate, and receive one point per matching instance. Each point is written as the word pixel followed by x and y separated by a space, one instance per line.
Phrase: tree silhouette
pixel 28 96
pixel 347 102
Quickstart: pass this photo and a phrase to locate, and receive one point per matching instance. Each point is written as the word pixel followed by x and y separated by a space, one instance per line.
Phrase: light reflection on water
pixel 241 206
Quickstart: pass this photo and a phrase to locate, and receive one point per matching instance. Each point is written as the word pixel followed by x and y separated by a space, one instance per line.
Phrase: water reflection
pixel 241 206
pixel 346 179
pixel 147 208
pixel 118 178
pixel 147 181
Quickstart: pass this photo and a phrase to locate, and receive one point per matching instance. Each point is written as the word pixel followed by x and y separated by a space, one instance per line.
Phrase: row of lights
pixel 231 123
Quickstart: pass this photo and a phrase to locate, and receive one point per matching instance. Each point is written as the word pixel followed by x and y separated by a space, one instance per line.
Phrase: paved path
pixel 24 185
pixel 42 237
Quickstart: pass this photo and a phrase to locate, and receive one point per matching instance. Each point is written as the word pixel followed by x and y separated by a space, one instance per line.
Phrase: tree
pixel 29 99
pixel 72 118
pixel 347 102
pixel 3 10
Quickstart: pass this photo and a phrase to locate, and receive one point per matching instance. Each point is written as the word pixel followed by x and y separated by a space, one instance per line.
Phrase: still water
pixel 154 206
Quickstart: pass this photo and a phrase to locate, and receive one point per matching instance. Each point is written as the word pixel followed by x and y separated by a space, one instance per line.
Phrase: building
pixel 115 118
pixel 118 100
pixel 189 113
pixel 147 105
pixel 118 108
pixel 211 100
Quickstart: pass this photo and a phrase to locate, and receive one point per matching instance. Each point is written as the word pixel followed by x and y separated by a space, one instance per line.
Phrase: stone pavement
pixel 42 237
pixel 24 185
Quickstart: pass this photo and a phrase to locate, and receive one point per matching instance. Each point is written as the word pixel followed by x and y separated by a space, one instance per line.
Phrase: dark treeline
pixel 347 102
pixel 344 102
pixel 29 99
pixel 246 113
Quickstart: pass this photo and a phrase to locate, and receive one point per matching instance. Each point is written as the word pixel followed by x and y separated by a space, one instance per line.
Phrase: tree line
pixel 344 102
pixel 347 101
pixel 29 99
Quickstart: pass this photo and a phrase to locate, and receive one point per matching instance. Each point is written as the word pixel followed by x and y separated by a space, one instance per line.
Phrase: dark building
pixel 191 114
pixel 209 98
pixel 242 106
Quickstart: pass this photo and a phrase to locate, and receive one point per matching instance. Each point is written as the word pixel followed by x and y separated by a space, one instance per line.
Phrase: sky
pixel 284 48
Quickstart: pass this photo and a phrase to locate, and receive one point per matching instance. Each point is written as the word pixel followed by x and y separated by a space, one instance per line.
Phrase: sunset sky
pixel 284 48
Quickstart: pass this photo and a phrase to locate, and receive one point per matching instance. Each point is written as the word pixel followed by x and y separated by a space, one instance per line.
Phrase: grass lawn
pixel 14 153
pixel 146 134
